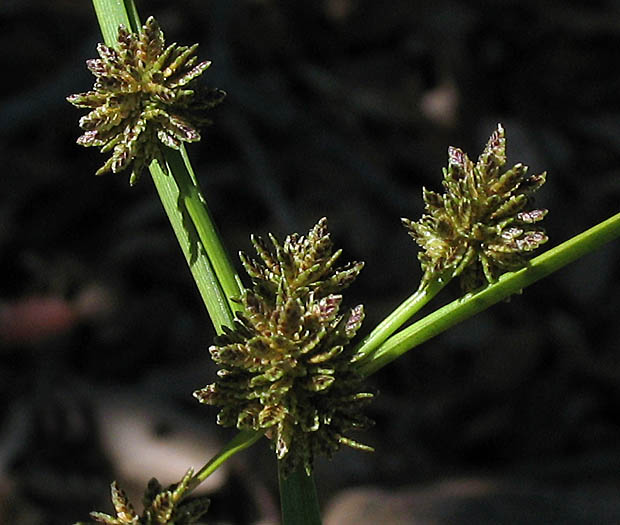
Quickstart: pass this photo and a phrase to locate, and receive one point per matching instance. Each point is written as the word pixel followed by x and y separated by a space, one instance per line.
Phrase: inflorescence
pixel 145 97
pixel 286 366
pixel 479 228
pixel 161 507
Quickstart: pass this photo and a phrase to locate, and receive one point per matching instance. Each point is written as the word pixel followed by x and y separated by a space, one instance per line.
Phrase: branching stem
pixel 209 263
pixel 400 316
pixel 219 284
pixel 508 284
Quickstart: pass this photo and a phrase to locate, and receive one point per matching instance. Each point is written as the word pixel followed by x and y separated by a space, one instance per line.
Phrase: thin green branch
pixel 297 492
pixel 508 284
pixel 400 316
pixel 240 442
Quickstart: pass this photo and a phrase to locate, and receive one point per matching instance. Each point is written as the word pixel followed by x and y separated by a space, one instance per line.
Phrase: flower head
pixel 161 507
pixel 286 367
pixel 480 227
pixel 144 98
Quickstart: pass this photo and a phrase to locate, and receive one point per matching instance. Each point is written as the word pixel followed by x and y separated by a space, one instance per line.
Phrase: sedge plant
pixel 289 368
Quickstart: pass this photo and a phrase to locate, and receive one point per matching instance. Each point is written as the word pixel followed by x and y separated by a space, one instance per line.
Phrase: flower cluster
pixel 286 367
pixel 479 228
pixel 161 507
pixel 144 98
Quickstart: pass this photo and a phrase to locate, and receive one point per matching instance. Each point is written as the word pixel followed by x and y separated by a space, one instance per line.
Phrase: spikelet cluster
pixel 480 227
pixel 144 97
pixel 286 366
pixel 161 507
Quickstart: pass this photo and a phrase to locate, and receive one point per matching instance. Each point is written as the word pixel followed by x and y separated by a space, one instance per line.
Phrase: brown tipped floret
pixel 287 365
pixel 144 98
pixel 480 227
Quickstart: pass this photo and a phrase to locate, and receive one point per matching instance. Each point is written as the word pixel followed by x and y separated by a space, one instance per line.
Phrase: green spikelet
pixel 287 365
pixel 145 97
pixel 479 228
pixel 161 507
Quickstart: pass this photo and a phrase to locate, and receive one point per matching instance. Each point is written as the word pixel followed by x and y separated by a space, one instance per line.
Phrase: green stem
pixel 240 442
pixel 400 316
pixel 132 13
pixel 113 13
pixel 205 226
pixel 199 264
pixel 191 221
pixel 298 498
pixel 508 284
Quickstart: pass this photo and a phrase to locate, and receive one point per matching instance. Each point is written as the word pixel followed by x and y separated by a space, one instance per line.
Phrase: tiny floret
pixel 481 226
pixel 286 366
pixel 161 507
pixel 144 98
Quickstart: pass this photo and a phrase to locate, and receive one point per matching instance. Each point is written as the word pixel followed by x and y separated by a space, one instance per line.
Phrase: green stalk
pixel 298 498
pixel 191 221
pixel 508 284
pixel 113 13
pixel 189 241
pixel 240 442
pixel 196 205
pixel 132 13
pixel 400 316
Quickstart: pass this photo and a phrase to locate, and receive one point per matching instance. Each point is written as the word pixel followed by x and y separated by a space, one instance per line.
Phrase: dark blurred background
pixel 337 108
